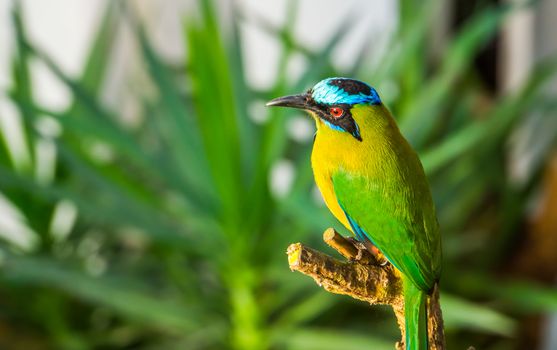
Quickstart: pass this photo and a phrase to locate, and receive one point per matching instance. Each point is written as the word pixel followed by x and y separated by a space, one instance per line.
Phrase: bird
pixel 373 182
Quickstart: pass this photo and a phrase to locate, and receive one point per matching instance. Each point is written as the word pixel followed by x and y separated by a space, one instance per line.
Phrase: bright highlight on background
pixel 147 195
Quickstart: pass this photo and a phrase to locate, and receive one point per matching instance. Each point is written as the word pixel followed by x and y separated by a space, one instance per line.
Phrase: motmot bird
pixel 373 182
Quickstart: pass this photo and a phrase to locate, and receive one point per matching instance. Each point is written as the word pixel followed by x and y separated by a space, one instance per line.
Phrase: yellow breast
pixel 335 151
pixel 323 179
pixel 327 160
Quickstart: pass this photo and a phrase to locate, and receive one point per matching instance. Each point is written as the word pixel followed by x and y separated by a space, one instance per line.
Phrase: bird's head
pixel 332 101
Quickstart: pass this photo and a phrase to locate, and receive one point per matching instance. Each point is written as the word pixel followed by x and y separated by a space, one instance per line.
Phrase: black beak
pixel 294 101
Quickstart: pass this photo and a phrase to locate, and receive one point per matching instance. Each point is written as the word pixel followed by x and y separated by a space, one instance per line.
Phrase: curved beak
pixel 294 101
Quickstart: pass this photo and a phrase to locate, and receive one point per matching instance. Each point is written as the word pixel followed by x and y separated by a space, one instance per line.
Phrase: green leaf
pixel 216 113
pixel 99 56
pixel 489 129
pixel 422 115
pixel 177 128
pixel 128 300
pixel 461 314
pixel 306 310
pixel 330 339
pixel 22 88
pixel 524 296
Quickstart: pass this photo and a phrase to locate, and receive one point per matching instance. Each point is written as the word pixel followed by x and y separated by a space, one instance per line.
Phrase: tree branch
pixel 363 277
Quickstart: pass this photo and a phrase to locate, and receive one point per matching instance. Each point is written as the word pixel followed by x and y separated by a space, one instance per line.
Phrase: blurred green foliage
pixel 179 242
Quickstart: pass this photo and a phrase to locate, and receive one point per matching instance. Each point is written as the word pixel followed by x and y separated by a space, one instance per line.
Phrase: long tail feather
pixel 415 315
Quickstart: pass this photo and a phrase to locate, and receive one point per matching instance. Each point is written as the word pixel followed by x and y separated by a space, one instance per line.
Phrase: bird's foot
pixel 379 257
pixel 363 254
pixel 365 249
pixel 382 260
pixel 354 250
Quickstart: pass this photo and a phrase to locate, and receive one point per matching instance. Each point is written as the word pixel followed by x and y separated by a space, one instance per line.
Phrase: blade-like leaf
pixel 489 130
pixel 462 314
pixel 130 301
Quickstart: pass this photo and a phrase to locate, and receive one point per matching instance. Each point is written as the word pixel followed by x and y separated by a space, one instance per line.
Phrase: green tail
pixel 415 315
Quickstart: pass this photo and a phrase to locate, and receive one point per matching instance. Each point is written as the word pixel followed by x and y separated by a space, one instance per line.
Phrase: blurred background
pixel 147 196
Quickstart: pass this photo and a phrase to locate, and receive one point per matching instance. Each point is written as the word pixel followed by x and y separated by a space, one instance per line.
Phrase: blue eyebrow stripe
pixel 328 94
pixel 333 126
pixel 339 128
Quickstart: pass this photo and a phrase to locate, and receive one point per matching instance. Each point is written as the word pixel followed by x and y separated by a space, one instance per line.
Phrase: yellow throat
pixel 335 150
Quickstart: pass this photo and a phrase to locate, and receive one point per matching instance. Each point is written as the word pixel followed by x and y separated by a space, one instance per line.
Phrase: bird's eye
pixel 336 112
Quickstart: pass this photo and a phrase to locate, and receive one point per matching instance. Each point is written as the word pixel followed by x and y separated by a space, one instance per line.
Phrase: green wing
pixel 398 217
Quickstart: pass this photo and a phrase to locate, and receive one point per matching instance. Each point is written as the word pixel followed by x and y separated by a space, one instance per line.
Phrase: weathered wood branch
pixel 364 277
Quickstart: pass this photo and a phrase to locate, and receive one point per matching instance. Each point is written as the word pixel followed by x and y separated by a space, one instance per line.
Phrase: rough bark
pixel 363 276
